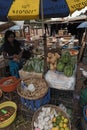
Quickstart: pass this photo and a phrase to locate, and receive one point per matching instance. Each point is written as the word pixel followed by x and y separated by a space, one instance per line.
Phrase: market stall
pixel 34 92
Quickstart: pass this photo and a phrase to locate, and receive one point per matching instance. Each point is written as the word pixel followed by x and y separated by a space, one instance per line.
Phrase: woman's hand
pixel 20 54
pixel 16 57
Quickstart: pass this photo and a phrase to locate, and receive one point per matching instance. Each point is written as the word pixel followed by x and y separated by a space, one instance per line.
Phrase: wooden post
pixel 45 53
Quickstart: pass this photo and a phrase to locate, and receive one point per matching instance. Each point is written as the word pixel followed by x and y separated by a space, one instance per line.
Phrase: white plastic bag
pixel 60 81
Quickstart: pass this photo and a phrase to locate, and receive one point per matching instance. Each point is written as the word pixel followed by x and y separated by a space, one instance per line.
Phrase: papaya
pixel 66 57
pixel 60 66
pixel 68 70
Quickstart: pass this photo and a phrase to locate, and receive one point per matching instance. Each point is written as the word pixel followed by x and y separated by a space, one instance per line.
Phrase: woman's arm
pixel 14 57
pixel 6 55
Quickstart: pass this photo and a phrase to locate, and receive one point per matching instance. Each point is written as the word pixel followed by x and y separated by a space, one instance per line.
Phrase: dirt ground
pixel 24 116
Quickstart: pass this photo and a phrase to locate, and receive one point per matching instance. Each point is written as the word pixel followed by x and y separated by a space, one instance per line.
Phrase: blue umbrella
pixel 82 25
pixel 4 9
pixel 32 9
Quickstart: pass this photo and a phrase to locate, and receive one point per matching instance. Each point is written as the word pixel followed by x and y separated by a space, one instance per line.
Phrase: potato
pixel 48 60
pixel 52 60
pixel 57 55
pixel 52 56
pixel 52 67
pixel 55 58
pixel 49 55
pixel 55 66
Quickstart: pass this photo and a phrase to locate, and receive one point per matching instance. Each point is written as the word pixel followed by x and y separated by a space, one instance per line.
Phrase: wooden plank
pixel 83 43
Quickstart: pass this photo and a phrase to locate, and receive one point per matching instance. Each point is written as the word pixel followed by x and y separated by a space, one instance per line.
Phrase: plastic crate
pixel 61 96
pixel 61 93
pixel 35 104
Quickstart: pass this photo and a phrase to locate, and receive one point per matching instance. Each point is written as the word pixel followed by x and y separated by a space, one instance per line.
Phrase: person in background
pixel 46 28
pixel 13 52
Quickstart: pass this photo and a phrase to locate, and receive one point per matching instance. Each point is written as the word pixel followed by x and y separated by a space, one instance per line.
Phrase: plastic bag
pixel 60 81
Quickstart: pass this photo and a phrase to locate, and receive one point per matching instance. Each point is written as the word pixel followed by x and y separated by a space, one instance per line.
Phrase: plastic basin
pixel 10 87
pixel 12 118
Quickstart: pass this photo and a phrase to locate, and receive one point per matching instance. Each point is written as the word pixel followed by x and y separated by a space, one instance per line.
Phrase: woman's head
pixel 9 36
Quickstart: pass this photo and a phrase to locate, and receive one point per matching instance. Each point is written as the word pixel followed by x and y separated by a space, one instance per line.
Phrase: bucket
pixel 35 104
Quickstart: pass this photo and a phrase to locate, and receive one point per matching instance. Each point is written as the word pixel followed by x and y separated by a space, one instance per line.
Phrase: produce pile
pixel 6 113
pixel 52 59
pixel 66 64
pixel 34 64
pixel 0 92
pixel 8 82
pixel 51 119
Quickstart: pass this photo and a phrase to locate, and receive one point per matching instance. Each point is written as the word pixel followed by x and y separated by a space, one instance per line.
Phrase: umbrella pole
pixel 44 41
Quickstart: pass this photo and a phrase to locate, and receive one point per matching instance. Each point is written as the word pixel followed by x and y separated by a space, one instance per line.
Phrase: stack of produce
pixel 34 65
pixel 50 119
pixel 52 59
pixel 66 64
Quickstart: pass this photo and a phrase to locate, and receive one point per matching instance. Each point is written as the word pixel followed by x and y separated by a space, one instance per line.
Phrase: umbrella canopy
pixel 31 9
pixel 83 25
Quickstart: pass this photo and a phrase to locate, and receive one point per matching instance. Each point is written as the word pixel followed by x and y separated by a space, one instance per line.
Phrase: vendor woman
pixel 13 52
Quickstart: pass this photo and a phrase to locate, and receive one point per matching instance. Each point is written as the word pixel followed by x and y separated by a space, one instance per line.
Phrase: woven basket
pixel 40 86
pixel 36 114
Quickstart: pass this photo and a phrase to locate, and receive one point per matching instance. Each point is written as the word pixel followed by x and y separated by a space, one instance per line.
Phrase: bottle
pixel 23 85
pixel 71 44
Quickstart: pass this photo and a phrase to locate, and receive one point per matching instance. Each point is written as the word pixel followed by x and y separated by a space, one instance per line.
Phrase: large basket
pixel 41 89
pixel 34 100
pixel 52 106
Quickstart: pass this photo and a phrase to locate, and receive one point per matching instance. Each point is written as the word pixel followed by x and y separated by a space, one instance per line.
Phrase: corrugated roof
pixel 6 26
